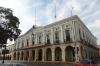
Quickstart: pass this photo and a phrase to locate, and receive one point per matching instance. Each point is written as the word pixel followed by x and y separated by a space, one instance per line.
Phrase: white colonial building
pixel 56 42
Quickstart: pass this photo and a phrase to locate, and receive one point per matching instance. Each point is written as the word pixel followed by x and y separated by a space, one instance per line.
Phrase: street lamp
pixel 71 11
pixel 4 51
pixel 75 47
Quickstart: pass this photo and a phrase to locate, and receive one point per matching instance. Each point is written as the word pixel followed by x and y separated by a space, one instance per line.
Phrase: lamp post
pixel 4 51
pixel 71 11
pixel 75 47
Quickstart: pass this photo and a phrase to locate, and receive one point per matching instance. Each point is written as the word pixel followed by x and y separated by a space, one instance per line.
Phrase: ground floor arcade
pixel 60 52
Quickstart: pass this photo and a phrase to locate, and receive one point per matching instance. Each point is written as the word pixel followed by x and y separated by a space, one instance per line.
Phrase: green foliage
pixel 8 25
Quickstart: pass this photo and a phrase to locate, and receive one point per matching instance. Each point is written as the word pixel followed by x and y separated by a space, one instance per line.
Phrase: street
pixel 31 63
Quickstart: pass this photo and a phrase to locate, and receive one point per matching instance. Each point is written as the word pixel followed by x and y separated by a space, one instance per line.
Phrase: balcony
pixel 56 42
pixel 67 40
pixel 39 42
pixel 81 40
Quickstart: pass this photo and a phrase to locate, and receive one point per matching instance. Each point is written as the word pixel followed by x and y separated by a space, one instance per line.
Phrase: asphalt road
pixel 29 63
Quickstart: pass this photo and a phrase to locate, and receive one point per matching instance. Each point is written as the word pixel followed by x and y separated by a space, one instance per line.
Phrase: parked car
pixel 86 63
pixel 13 64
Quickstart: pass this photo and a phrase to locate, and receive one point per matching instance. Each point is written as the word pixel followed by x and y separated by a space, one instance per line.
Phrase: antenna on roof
pixel 55 12
pixel 34 26
pixel 71 11
pixel 35 17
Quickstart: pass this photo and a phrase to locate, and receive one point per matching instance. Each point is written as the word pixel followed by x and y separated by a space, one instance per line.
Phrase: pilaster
pixel 44 37
pixel 52 36
pixel 62 38
pixel 30 40
pixel 36 35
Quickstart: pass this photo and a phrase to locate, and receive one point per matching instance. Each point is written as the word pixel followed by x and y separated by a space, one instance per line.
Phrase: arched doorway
pixel 18 55
pixel 70 54
pixel 49 54
pixel 22 55
pixel 40 55
pixel 33 54
pixel 15 56
pixel 27 55
pixel 58 54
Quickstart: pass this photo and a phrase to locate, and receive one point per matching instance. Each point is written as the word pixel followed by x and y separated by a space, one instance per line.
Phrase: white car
pixel 13 64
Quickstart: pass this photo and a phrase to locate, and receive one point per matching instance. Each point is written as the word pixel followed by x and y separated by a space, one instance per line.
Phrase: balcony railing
pixel 39 42
pixel 81 40
pixel 56 42
pixel 67 40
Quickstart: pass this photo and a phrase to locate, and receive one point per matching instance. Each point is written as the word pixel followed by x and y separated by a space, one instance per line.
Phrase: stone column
pixel 53 55
pixel 62 38
pixel 19 56
pixel 36 55
pixel 16 55
pixel 43 54
pixel 30 55
pixel 63 55
pixel 24 55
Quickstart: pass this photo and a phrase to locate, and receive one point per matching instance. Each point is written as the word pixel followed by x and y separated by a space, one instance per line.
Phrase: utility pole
pixel 35 17
pixel 4 51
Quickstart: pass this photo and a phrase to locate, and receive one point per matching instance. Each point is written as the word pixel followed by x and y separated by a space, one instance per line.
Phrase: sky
pixel 87 10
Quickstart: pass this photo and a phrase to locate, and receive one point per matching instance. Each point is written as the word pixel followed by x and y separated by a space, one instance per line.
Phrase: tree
pixel 9 25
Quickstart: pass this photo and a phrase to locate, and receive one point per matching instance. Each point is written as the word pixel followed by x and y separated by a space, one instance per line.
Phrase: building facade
pixel 65 40
pixel 99 50
pixel 8 52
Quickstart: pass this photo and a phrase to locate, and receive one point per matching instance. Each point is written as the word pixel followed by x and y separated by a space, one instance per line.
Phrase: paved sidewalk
pixel 61 62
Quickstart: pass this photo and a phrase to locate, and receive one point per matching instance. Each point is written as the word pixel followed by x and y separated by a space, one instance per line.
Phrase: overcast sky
pixel 87 10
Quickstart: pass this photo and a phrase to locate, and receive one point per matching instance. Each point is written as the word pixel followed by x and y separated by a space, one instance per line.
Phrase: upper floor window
pixel 32 40
pixel 67 35
pixel 39 39
pixel 22 43
pixel 56 36
pixel 48 39
pixel 27 42
pixel 83 35
pixel 79 33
